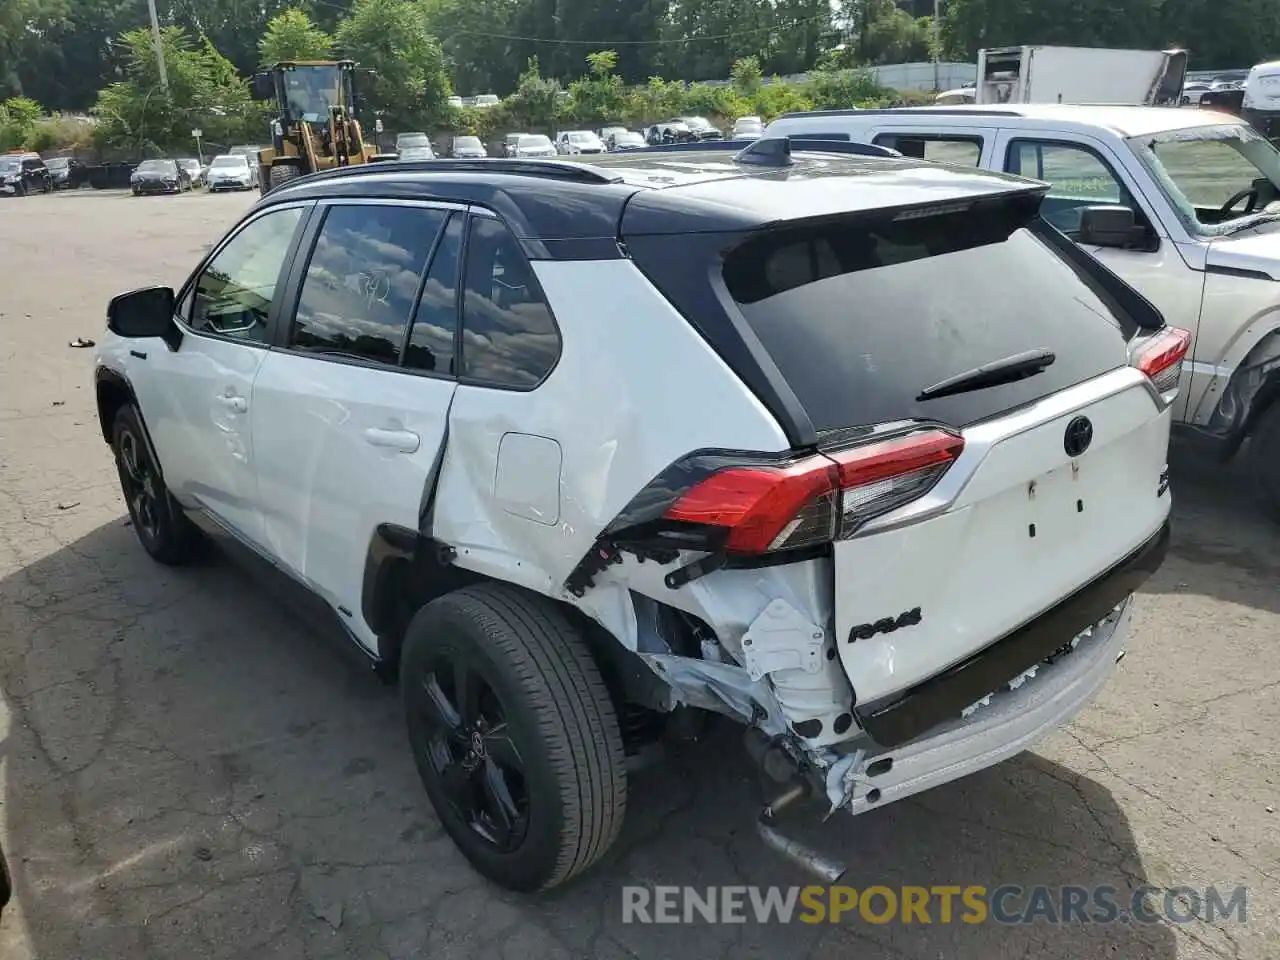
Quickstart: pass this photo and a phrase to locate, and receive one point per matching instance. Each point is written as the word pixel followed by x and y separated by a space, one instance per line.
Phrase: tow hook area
pixel 781 767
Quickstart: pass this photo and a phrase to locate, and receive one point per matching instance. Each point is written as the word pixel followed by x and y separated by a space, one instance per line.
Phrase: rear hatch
pixel 997 448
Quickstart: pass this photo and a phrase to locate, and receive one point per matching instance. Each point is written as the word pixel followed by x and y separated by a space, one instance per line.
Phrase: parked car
pixel 1261 99
pixel 486 100
pixel 68 173
pixel 195 170
pixel 702 128
pixel 625 140
pixel 572 143
pixel 748 128
pixel 1193 91
pixel 414 146
pixel 476 481
pixel 24 173
pixel 533 145
pixel 608 132
pixel 467 148
pixel 230 172
pixel 669 131
pixel 509 143
pixel 250 154
pixel 455 102
pixel 159 176
pixel 1182 204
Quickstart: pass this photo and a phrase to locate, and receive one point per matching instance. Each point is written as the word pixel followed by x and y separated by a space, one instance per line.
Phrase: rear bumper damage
pixel 1000 725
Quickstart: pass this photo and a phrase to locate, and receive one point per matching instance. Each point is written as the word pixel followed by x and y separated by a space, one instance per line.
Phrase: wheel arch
pixel 406 569
pixel 1251 390
pixel 114 391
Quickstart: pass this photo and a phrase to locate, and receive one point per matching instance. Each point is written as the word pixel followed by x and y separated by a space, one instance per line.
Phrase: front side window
pixel 509 336
pixel 1078 178
pixel 363 279
pixel 232 296
pixel 1214 177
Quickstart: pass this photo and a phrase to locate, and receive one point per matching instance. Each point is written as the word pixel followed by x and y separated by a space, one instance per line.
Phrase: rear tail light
pixel 764 508
pixel 1160 357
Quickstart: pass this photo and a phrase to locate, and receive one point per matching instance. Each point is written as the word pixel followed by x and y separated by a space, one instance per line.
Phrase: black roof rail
pixel 552 169
pixel 767 152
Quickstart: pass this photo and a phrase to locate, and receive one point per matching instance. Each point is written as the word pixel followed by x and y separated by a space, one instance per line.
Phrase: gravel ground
pixel 187 773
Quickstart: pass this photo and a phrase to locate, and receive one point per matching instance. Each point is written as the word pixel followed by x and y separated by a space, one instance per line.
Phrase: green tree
pixel 390 37
pixel 292 35
pixel 747 76
pixel 535 103
pixel 601 96
pixel 136 116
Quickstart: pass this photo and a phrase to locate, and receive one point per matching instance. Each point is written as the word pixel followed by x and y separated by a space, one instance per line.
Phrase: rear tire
pixel 535 724
pixel 281 173
pixel 1264 460
pixel 162 528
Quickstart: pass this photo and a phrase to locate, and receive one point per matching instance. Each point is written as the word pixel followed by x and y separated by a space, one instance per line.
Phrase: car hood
pixel 229 172
pixel 155 175
pixel 1254 251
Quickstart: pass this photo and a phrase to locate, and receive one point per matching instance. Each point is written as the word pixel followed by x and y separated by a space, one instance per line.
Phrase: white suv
pixel 809 473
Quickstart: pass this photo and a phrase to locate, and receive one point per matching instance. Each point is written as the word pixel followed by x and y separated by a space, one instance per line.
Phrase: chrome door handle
pixel 406 441
pixel 235 404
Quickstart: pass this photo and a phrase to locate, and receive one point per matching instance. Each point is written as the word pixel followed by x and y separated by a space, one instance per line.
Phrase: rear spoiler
pixel 776 151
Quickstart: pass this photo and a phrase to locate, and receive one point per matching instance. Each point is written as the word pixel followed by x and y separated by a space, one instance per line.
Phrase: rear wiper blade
pixel 1009 370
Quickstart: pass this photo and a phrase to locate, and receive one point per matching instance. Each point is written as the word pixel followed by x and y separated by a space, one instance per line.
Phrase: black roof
pixel 659 193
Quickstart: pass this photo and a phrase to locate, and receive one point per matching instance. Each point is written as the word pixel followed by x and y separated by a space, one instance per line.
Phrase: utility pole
pixel 155 37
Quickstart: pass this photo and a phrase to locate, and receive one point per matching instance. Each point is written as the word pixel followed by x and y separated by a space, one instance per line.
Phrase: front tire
pixel 280 174
pixel 162 528
pixel 514 735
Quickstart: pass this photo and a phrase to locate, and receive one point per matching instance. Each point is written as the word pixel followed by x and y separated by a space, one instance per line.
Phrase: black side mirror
pixel 1110 226
pixel 144 313
pixel 263 86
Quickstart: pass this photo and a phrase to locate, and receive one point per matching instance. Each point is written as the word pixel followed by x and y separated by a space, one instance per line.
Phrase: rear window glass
pixel 860 316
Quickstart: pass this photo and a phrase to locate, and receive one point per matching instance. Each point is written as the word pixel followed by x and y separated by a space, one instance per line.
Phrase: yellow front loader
pixel 315 125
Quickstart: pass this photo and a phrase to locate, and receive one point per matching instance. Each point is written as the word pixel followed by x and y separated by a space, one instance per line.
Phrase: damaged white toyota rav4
pixel 852 448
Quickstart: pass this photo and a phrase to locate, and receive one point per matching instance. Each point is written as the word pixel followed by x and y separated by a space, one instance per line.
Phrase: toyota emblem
pixel 1078 436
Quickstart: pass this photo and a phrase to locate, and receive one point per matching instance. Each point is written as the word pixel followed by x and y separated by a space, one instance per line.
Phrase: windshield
pixel 535 140
pixel 413 140
pixel 58 163
pixel 9 163
pixel 627 137
pixel 310 92
pixel 697 123
pixel 156 166
pixel 582 137
pixel 1204 169
pixel 223 162
pixel 467 143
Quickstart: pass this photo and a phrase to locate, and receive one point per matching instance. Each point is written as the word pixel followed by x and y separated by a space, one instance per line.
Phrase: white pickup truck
pixel 1182 204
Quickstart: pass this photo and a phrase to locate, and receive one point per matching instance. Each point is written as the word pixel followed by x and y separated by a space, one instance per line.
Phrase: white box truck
pixel 1090 75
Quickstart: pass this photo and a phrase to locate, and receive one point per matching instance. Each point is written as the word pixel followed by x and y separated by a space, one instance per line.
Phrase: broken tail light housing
pixel 1160 357
pixel 763 508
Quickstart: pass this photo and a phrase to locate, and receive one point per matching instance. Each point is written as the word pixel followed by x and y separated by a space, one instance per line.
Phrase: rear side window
pixel 431 342
pixel 363 279
pixel 862 315
pixel 509 338
pixel 963 151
